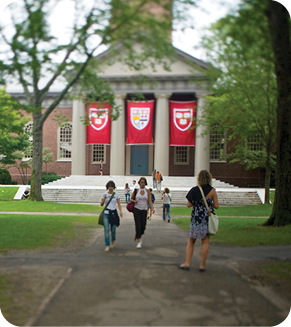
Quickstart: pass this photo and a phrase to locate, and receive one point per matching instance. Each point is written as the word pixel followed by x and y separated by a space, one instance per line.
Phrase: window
pixel 98 153
pixel 254 143
pixel 181 156
pixel 217 143
pixel 28 129
pixel 65 142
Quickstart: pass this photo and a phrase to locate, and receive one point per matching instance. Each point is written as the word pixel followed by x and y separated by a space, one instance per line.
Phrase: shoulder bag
pixel 100 221
pixel 213 219
pixel 130 206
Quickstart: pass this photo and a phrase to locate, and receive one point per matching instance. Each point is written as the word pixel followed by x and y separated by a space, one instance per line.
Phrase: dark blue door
pixel 139 160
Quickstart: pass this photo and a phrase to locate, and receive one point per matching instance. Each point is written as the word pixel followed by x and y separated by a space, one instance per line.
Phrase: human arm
pixel 189 204
pixel 103 200
pixel 150 201
pixel 133 195
pixel 119 208
pixel 215 204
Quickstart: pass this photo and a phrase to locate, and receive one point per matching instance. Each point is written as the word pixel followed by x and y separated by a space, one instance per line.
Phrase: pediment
pixel 184 65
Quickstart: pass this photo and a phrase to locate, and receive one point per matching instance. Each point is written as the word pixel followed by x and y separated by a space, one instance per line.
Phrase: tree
pixel 244 86
pixel 12 136
pixel 279 24
pixel 37 58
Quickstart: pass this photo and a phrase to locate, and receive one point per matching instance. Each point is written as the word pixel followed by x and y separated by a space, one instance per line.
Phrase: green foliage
pixel 12 137
pixel 49 177
pixel 5 177
pixel 245 232
pixel 243 83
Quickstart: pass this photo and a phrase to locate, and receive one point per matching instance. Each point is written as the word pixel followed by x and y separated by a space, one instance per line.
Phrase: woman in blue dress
pixel 199 218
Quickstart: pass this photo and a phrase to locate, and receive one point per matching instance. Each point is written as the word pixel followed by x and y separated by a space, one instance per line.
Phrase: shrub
pixel 5 177
pixel 48 177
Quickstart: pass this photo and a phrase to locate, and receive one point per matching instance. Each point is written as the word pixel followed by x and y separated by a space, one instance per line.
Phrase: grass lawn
pixel 245 232
pixel 43 206
pixel 260 210
pixel 8 193
pixel 37 231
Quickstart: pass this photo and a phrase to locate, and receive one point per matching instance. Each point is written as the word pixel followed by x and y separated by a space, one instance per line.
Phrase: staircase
pixel 89 189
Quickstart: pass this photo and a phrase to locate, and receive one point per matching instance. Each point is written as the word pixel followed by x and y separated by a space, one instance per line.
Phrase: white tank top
pixel 142 200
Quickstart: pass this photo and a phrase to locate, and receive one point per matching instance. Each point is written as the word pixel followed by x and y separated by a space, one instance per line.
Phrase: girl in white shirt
pixel 166 204
pixel 110 217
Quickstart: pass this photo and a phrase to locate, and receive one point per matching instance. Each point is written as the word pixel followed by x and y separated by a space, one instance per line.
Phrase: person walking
pixel 154 179
pixel 140 197
pixel 110 218
pixel 134 185
pixel 101 168
pixel 166 204
pixel 199 218
pixel 159 179
pixel 150 212
pixel 127 193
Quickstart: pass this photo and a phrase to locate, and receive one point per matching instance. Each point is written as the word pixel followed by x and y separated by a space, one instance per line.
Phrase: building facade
pixel 186 81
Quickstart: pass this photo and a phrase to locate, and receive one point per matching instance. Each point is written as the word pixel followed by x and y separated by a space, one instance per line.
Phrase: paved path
pixel 127 286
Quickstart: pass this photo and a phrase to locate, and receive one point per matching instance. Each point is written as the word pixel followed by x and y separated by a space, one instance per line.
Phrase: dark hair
pixel 110 184
pixel 167 190
pixel 143 178
pixel 204 177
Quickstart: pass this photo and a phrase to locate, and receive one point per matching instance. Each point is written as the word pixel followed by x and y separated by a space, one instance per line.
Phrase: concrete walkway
pixel 144 287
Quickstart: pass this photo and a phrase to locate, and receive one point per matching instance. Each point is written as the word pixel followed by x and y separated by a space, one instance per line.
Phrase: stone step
pixel 100 181
pixel 93 195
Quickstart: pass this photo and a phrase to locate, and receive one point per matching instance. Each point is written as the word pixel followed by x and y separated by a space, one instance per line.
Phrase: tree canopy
pixel 12 136
pixel 244 86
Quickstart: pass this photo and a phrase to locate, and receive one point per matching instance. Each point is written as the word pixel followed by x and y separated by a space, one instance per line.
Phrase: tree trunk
pixel 35 191
pixel 268 177
pixel 279 23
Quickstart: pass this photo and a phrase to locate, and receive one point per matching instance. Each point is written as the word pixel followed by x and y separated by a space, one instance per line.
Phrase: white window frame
pixel 104 154
pixel 69 143
pixel 222 151
pixel 180 163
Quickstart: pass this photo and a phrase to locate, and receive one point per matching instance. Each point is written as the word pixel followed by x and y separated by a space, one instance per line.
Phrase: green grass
pixel 43 206
pixel 245 232
pixel 8 193
pixel 260 210
pixel 37 231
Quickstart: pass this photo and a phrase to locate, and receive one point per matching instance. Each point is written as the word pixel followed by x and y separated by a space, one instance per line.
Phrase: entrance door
pixel 139 160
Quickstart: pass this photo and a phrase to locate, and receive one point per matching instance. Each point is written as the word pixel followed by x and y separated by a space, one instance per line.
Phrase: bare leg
pixel 189 252
pixel 204 251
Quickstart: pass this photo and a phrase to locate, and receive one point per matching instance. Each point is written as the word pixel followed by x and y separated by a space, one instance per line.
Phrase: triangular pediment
pixel 184 65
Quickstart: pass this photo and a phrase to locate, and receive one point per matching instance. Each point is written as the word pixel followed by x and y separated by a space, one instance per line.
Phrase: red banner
pixel 182 131
pixel 98 132
pixel 140 122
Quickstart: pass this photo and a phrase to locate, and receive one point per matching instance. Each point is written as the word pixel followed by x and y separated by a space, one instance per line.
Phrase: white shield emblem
pixel 183 118
pixel 98 117
pixel 140 117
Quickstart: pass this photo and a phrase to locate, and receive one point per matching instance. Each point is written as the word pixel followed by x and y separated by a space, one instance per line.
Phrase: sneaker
pixel 138 246
pixel 168 220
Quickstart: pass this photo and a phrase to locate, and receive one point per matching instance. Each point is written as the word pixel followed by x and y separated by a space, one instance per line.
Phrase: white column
pixel 78 165
pixel 202 143
pixel 117 149
pixel 162 137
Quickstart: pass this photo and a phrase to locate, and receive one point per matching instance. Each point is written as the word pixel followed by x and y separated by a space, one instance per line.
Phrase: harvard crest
pixel 98 118
pixel 140 117
pixel 183 118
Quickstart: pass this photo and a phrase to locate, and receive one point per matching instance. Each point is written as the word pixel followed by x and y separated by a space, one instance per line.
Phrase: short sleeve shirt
pixel 112 204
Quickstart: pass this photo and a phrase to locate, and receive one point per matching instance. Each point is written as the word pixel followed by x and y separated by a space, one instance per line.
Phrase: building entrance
pixel 139 160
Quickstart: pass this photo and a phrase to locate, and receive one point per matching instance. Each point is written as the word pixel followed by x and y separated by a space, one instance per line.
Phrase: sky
pixel 208 12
